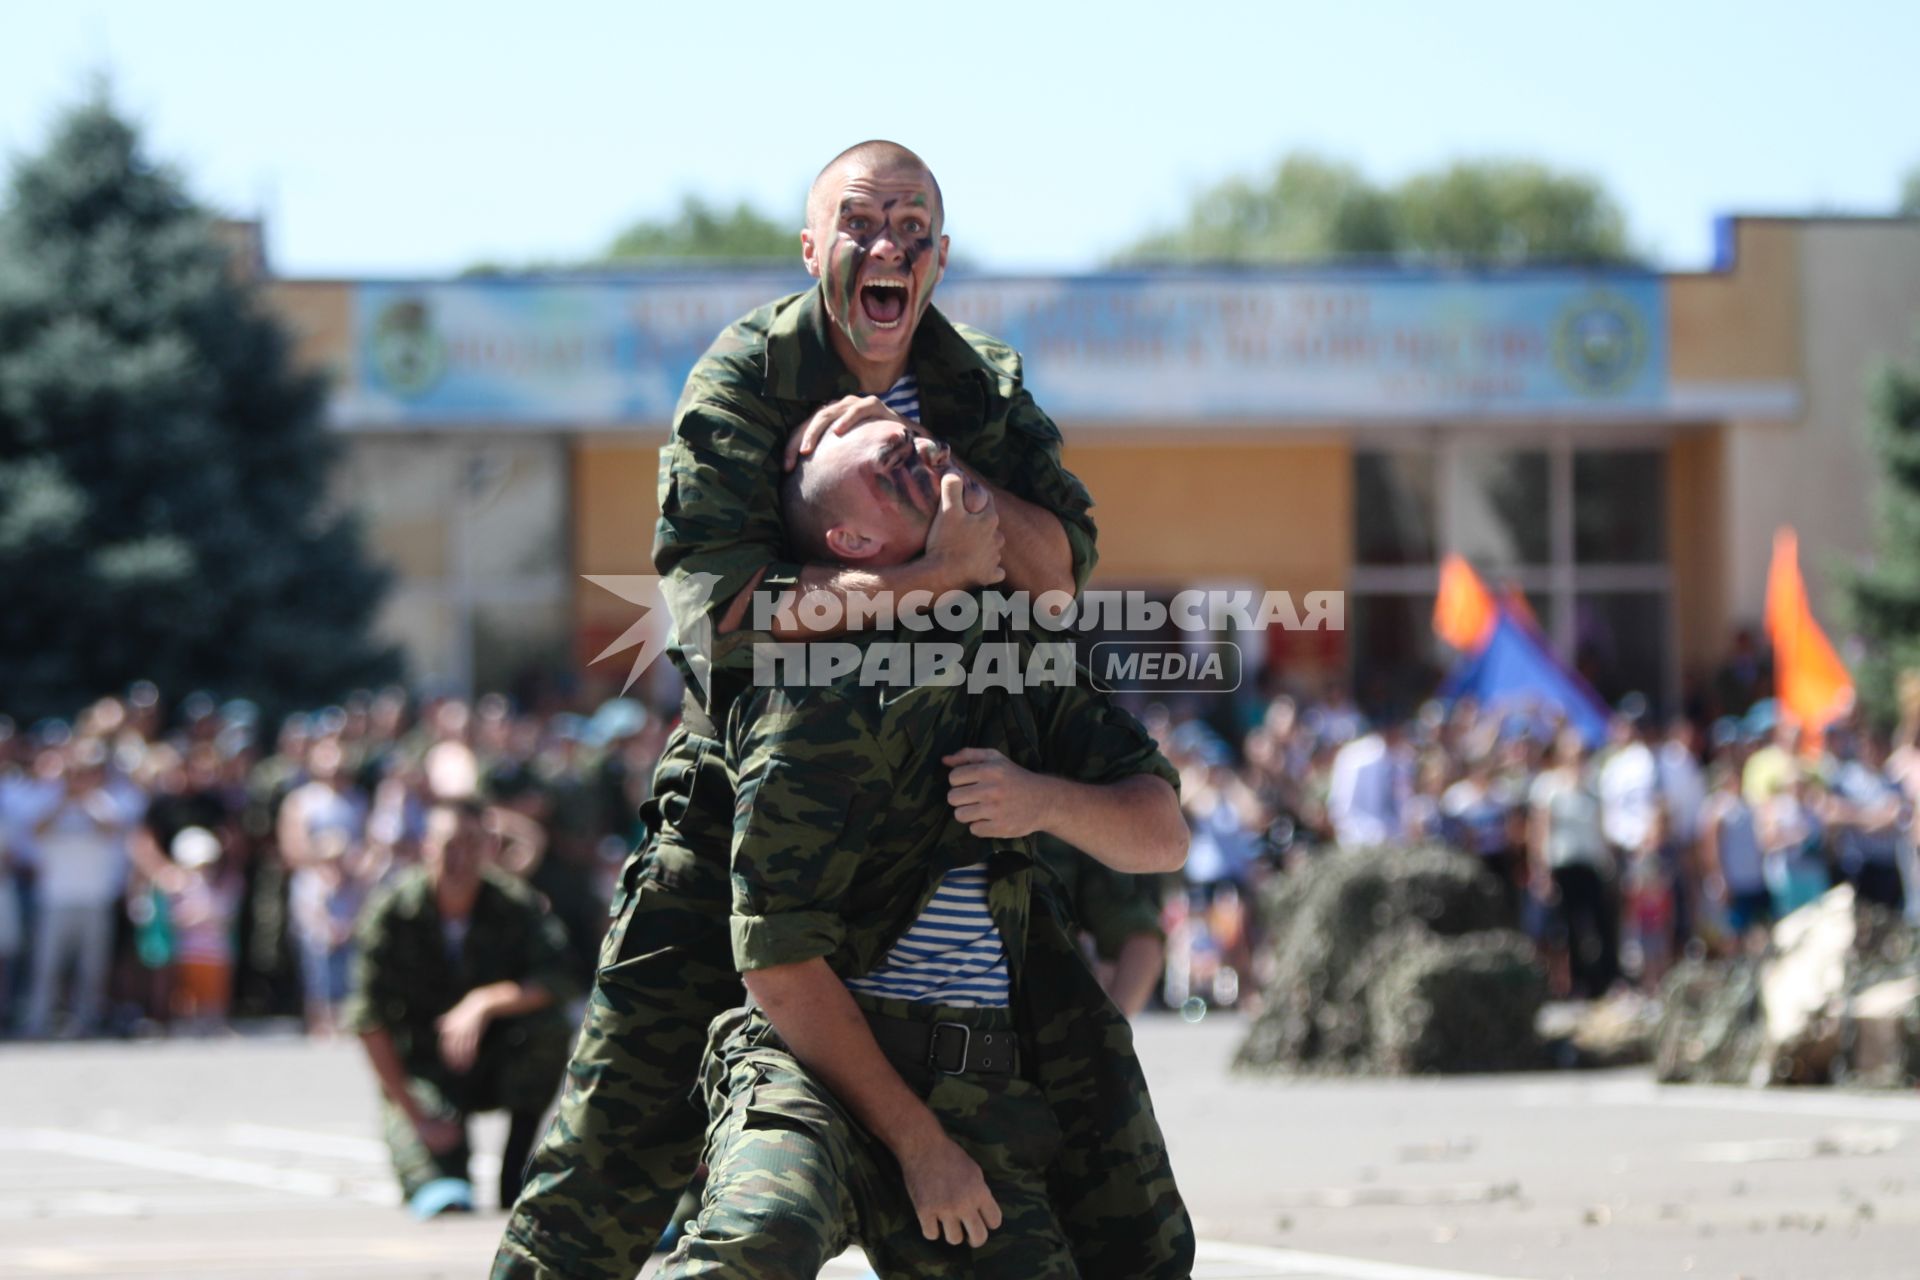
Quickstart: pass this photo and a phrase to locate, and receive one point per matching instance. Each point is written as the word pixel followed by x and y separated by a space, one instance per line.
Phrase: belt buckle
pixel 933 1047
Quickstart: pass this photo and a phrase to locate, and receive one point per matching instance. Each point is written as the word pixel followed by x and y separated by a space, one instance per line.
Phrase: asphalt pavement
pixel 251 1157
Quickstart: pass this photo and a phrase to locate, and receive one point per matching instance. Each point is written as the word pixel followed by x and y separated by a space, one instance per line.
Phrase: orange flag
pixel 1811 682
pixel 1463 612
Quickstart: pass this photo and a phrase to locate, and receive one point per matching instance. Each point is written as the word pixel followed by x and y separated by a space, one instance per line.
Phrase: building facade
pixel 1616 446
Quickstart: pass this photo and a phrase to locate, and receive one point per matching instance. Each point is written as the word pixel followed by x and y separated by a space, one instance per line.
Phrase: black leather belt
pixel 950 1048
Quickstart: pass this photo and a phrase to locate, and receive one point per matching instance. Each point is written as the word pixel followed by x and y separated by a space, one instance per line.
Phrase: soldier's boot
pixel 414 1163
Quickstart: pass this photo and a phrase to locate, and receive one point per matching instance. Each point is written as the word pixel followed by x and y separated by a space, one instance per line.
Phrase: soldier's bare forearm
pixel 387 1068
pixel 1135 972
pixel 511 999
pixel 1037 556
pixel 816 1016
pixel 1133 825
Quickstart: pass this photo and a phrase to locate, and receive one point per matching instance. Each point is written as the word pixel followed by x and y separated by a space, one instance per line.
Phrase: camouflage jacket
pixel 720 473
pixel 404 977
pixel 1110 905
pixel 842 829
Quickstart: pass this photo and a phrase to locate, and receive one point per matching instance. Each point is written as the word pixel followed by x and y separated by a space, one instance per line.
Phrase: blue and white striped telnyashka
pixel 953 955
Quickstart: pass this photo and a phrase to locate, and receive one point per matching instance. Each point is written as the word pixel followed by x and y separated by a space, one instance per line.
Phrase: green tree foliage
pixel 1910 194
pixel 1311 209
pixel 1885 596
pixel 163 465
pixel 701 231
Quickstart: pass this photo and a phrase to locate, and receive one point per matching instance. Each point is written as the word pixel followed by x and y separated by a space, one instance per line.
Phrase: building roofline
pixel 1725 262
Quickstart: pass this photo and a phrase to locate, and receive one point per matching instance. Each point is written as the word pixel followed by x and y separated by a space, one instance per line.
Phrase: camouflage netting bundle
pixel 1458 1004
pixel 1393 960
pixel 1853 1017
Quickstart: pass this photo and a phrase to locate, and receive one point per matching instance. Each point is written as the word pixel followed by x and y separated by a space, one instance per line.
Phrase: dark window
pixel 1620 506
pixel 1393 508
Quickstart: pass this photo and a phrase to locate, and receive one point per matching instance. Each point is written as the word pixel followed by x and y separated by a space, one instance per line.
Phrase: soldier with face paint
pixel 883 861
pixel 865 344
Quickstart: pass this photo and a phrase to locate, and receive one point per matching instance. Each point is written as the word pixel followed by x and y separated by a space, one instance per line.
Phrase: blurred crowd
pixel 1616 853
pixel 182 866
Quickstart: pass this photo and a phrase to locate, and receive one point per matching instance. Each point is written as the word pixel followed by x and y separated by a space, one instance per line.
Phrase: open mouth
pixel 884 301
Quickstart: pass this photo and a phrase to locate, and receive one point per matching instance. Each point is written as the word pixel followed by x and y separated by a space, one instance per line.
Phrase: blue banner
pixel 1138 347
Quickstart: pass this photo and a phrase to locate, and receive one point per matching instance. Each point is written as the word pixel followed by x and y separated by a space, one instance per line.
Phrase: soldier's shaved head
pixel 877 154
pixel 808 509
pixel 869 495
pixel 874 242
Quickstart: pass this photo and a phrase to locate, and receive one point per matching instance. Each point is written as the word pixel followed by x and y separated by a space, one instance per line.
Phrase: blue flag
pixel 1516 670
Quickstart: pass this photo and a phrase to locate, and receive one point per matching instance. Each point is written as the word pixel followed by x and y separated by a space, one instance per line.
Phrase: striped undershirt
pixel 953 954
pixel 903 397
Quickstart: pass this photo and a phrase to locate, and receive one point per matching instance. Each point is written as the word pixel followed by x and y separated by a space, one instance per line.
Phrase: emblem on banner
pixel 408 353
pixel 1600 343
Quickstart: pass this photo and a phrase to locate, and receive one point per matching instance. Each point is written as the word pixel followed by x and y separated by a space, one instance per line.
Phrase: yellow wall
pixel 614 510
pixel 1696 538
pixel 1743 325
pixel 1275 515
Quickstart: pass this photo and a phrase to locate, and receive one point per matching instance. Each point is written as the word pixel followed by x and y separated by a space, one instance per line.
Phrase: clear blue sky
pixel 414 138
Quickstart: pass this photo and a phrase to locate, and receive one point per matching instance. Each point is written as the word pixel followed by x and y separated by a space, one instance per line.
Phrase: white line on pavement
pixel 143 1155
pixel 1251 1262
pixel 307 1142
pixel 1296 1262
pixel 1701 1097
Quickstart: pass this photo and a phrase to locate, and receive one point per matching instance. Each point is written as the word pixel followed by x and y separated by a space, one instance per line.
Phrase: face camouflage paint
pixel 882 261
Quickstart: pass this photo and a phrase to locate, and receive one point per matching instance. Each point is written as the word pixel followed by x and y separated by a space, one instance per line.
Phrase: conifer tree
pixel 163 463
pixel 1885 596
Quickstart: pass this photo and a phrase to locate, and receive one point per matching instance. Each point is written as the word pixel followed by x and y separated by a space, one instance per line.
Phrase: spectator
pixel 203 896
pixel 1567 850
pixel 1421 818
pixel 1733 876
pixel 1478 814
pixel 12 923
pixel 1792 842
pixel 1363 800
pixel 1869 818
pixel 1774 765
pixel 1227 822
pixel 320 817
pixel 1683 790
pixel 82 829
pixel 326 900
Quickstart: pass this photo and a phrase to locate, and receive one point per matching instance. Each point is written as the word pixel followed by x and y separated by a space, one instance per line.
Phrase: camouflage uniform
pixel 842 833
pixel 404 979
pixel 625 1139
pixel 1110 906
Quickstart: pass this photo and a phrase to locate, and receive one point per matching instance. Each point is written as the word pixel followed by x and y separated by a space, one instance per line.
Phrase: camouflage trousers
pixel 604 1180
pixel 794 1180
pixel 517 1070
pixel 624 1141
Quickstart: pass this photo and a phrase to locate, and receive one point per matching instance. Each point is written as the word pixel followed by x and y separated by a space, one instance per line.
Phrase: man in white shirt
pixel 1630 788
pixel 81 831
pixel 1363 800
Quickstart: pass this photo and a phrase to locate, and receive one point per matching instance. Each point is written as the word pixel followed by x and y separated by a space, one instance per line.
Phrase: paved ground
pixel 260 1158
